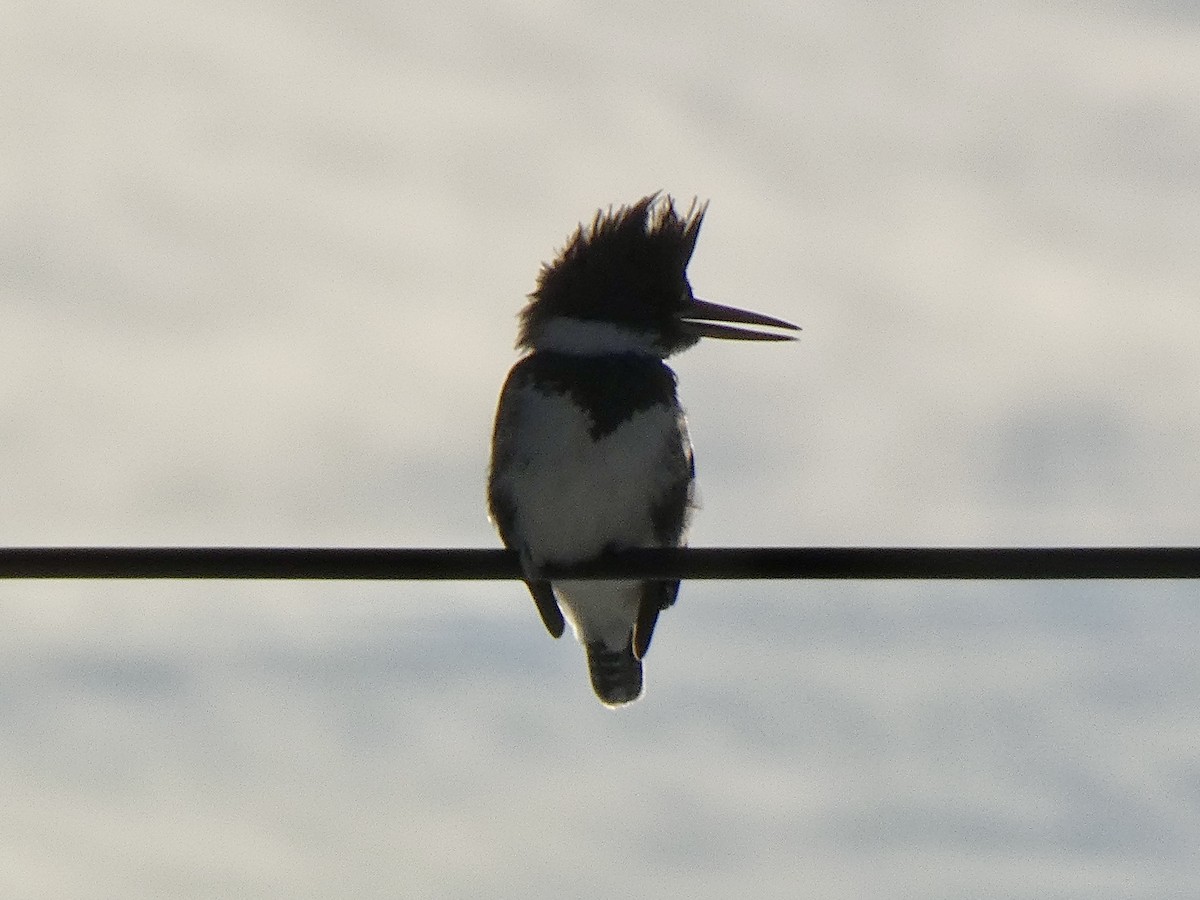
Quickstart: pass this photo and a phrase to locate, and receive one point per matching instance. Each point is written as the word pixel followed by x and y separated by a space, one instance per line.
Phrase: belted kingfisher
pixel 590 451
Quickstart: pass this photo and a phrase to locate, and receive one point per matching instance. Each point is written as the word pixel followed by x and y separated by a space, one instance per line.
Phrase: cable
pixel 704 563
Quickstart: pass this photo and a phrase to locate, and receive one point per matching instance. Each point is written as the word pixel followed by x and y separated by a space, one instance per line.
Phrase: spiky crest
pixel 628 267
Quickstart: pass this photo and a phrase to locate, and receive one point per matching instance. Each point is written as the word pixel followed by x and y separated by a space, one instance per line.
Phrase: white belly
pixel 575 496
pixel 600 610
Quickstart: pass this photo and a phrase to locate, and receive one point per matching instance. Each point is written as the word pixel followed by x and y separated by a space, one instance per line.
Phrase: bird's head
pixel 620 286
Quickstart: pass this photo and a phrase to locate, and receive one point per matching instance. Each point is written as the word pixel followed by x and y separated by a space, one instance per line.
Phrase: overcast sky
pixel 259 267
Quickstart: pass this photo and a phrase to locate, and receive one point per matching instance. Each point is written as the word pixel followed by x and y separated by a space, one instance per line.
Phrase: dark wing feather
pixel 503 510
pixel 656 596
pixel 547 606
pixel 669 517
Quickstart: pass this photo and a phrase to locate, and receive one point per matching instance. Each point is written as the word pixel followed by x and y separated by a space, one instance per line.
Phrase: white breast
pixel 574 495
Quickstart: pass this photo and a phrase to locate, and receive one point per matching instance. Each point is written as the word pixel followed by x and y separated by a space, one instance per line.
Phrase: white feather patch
pixel 575 496
pixel 587 337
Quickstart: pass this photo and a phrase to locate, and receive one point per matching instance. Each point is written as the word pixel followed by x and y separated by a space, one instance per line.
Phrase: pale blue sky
pixel 258 277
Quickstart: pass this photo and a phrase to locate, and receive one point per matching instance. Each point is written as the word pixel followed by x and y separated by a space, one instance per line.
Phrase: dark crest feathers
pixel 629 264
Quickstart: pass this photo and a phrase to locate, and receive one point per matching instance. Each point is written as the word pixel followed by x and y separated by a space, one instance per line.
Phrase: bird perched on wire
pixel 590 451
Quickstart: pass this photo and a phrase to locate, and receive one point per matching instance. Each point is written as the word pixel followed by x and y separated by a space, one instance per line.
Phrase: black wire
pixel 708 563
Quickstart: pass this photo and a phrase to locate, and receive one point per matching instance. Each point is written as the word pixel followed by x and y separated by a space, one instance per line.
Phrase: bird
pixel 590 446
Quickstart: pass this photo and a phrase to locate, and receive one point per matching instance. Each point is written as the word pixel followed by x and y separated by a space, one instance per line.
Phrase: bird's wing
pixel 670 518
pixel 547 607
pixel 656 596
pixel 503 510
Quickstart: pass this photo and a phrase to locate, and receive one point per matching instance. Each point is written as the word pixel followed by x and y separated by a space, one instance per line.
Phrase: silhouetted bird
pixel 590 451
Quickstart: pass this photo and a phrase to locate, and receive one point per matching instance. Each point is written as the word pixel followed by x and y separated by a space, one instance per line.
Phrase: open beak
pixel 702 319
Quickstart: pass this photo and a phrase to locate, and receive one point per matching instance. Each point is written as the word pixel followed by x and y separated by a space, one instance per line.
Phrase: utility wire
pixel 1026 563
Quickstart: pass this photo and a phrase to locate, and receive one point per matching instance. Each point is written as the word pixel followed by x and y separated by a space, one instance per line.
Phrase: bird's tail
pixel 616 674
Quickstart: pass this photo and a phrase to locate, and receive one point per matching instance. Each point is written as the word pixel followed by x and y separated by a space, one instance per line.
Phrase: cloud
pixel 259 277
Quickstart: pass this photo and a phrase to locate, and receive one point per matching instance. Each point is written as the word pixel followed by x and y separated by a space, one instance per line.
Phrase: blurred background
pixel 259 267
